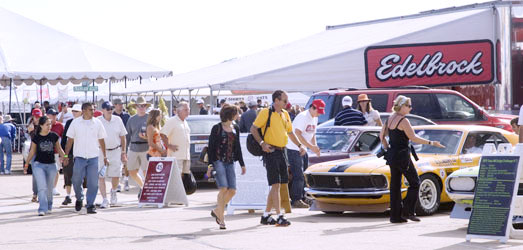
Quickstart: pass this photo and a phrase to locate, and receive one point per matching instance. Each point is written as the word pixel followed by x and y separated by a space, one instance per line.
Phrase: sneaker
pixel 114 198
pixel 91 210
pixel 83 211
pixel 49 212
pixel 119 188
pixel 105 204
pixel 126 185
pixel 299 204
pixel 282 221
pixel 55 192
pixel 41 213
pixel 267 220
pixel 8 172
pixel 78 205
pixel 139 193
pixel 35 198
pixel 67 201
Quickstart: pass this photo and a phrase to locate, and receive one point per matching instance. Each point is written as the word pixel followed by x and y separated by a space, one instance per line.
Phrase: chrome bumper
pixel 342 193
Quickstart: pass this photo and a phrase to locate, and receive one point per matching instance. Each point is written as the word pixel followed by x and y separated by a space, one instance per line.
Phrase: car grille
pixel 326 182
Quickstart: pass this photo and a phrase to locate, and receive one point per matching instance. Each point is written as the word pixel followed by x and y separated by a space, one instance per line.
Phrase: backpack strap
pixel 268 124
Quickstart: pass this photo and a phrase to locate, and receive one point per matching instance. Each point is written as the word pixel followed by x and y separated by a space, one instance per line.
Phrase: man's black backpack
pixel 252 145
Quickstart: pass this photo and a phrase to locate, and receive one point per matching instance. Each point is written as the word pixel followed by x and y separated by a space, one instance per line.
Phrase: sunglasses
pixel 141 105
pixel 408 106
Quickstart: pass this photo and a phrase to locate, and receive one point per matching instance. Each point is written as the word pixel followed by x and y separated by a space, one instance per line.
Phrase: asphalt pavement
pixel 178 227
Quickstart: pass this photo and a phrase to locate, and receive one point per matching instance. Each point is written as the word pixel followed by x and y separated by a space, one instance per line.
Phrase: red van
pixel 439 105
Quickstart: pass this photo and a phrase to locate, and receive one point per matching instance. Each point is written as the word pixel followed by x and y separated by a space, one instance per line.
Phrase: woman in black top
pixel 44 143
pixel 223 150
pixel 400 131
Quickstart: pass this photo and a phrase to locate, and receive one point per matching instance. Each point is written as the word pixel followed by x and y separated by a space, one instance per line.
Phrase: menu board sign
pixel 156 182
pixel 495 191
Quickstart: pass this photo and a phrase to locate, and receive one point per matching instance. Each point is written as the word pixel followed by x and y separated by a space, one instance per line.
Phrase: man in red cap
pixel 304 126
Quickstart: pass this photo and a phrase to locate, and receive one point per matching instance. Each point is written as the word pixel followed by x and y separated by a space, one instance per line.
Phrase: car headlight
pixel 464 184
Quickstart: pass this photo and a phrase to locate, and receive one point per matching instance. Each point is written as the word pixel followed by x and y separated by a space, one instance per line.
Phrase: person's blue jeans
pixel 8 148
pixel 85 168
pixel 297 184
pixel 44 174
pixel 225 175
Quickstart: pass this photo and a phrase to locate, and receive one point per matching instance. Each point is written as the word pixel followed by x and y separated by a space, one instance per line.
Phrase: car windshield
pixel 335 139
pixel 201 126
pixel 449 138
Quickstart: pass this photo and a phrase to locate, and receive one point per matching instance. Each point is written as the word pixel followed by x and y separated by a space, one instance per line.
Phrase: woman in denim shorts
pixel 224 149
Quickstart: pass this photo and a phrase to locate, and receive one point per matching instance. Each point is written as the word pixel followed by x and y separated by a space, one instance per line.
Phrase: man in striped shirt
pixel 349 116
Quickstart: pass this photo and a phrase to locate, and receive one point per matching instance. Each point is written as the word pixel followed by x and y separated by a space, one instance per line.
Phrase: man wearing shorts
pixel 275 155
pixel 176 134
pixel 115 151
pixel 137 152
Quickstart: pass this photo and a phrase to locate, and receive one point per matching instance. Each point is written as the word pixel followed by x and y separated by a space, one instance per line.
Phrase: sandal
pixel 35 199
pixel 215 216
pixel 222 226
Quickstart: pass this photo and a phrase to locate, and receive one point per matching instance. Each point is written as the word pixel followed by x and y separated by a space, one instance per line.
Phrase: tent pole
pixel 172 104
pixel 93 91
pixel 140 80
pixel 10 91
pixel 154 100
pixel 109 89
pixel 125 85
pixel 210 100
pixel 190 90
pixel 41 94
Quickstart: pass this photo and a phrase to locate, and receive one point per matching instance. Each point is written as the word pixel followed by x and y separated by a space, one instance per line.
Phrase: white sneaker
pixel 55 192
pixel 7 172
pixel 114 198
pixel 49 212
pixel 41 213
pixel 126 186
pixel 119 188
pixel 83 211
pixel 105 204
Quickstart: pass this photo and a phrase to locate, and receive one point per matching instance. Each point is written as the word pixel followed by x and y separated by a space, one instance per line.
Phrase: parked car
pixel 201 126
pixel 439 105
pixel 362 183
pixel 415 120
pixel 342 142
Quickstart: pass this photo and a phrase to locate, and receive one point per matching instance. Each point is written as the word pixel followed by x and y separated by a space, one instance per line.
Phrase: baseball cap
pixel 36 113
pixel 320 106
pixel 252 104
pixel 97 113
pixel 200 101
pixel 288 106
pixel 107 105
pixel 117 101
pixel 347 101
pixel 77 107
pixel 52 112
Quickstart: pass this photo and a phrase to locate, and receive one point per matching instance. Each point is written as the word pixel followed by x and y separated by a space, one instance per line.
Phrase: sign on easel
pixel 496 190
pixel 162 184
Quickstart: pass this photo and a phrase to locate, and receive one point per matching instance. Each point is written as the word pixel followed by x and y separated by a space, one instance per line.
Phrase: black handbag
pixel 252 145
pixel 189 183
pixel 204 157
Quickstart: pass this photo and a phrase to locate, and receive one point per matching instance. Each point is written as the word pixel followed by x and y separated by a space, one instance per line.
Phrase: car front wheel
pixel 429 195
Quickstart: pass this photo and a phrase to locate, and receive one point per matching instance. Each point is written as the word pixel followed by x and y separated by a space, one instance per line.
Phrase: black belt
pixel 278 148
pixel 111 149
pixel 139 142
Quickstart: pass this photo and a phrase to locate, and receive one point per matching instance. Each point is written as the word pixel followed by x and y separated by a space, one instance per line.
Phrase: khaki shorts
pixel 184 165
pixel 137 160
pixel 115 163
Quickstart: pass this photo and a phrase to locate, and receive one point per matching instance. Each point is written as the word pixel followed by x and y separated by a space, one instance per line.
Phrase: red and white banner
pixel 430 64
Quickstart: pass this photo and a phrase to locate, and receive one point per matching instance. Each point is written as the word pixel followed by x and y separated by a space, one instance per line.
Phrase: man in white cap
pixel 76 110
pixel 201 106
pixel 64 115
pixel 349 116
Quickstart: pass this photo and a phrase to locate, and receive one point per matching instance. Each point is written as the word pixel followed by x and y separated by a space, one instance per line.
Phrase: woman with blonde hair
pixel 156 147
pixel 371 115
pixel 400 132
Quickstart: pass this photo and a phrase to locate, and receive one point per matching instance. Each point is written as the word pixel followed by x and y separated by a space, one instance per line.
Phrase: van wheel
pixel 429 195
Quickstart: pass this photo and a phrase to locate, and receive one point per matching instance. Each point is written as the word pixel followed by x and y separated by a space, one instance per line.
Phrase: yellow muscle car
pixel 362 183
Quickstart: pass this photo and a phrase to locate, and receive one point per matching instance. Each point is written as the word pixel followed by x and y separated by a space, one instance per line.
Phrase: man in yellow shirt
pixel 275 156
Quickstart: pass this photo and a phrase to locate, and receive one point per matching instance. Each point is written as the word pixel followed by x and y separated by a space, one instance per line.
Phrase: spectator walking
pixel 76 110
pixel 43 146
pixel 290 110
pixel 371 115
pixel 46 107
pixel 176 136
pixel 304 126
pixel 36 113
pixel 349 116
pixel 7 135
pixel 248 117
pixel 115 152
pixel 275 157
pixel 224 149
pixel 400 131
pixel 243 107
pixel 514 125
pixel 120 112
pixel 156 148
pixel 58 128
pixel 137 148
pixel 87 134
pixel 201 107
pixel 65 115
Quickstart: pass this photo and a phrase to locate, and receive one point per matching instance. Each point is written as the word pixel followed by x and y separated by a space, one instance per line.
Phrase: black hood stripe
pixel 343 166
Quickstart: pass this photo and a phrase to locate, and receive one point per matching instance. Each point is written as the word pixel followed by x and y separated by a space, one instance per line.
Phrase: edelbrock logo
pixel 429 65
pixel 451 63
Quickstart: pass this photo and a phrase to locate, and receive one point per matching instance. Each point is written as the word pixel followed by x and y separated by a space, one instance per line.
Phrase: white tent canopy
pixel 333 58
pixel 31 52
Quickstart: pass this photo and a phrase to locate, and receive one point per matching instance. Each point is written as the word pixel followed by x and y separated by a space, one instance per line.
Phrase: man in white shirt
pixel 176 135
pixel 65 115
pixel 88 135
pixel 304 126
pixel 115 150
